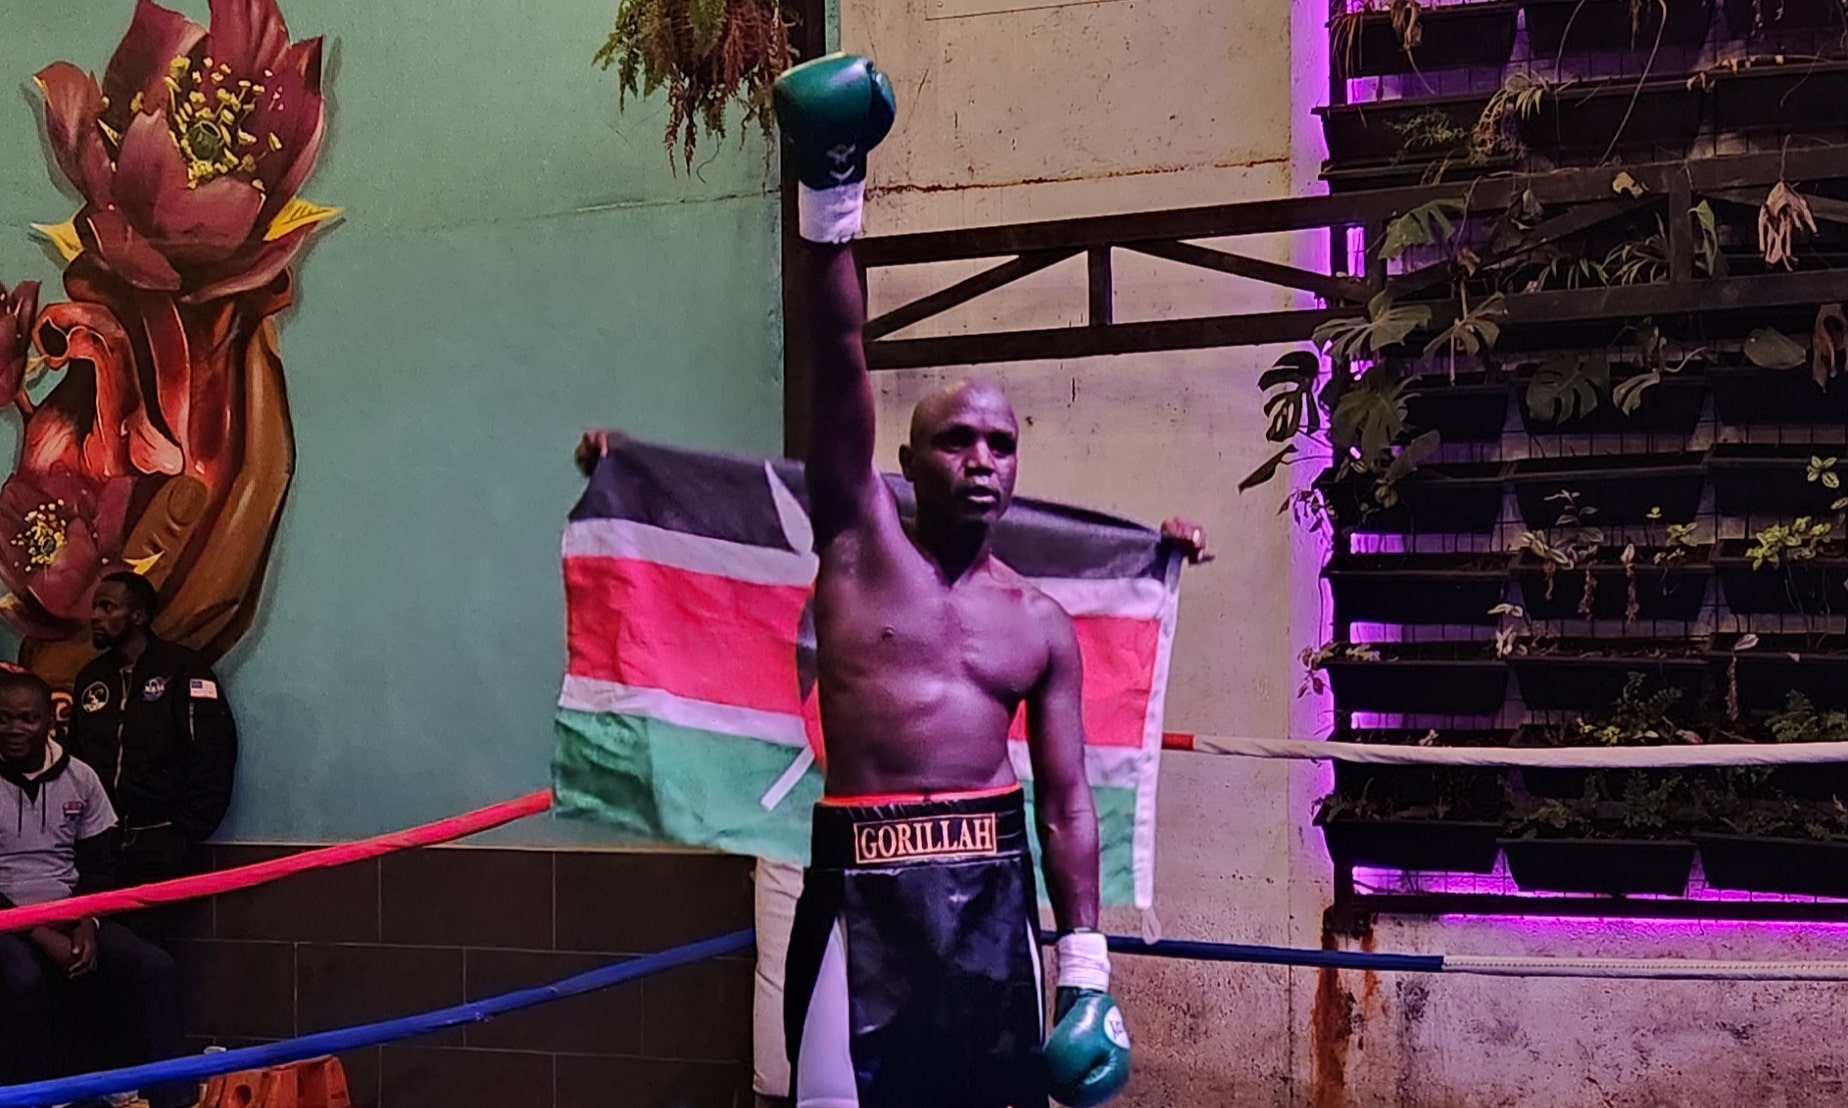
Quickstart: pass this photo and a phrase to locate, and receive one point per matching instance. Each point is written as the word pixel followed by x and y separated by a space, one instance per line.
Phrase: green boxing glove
pixel 1087 1054
pixel 832 111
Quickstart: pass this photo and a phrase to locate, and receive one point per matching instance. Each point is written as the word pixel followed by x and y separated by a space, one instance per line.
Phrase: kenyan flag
pixel 688 709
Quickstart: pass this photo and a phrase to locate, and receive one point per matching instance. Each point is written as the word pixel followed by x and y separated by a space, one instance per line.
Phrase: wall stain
pixel 1331 1027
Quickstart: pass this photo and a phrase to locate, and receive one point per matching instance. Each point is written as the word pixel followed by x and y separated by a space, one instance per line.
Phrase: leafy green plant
pixel 1385 324
pixel 1677 542
pixel 1316 660
pixel 1636 718
pixel 1800 722
pixel 1477 330
pixel 1429 224
pixel 1571 544
pixel 1800 540
pixel 1429 131
pixel 1497 129
pixel 1768 349
pixel 1567 387
pixel 1293 409
pixel 1628 394
pixel 706 54
pixel 1553 819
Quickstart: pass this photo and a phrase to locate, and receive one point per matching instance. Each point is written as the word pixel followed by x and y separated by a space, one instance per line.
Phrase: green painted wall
pixel 518 261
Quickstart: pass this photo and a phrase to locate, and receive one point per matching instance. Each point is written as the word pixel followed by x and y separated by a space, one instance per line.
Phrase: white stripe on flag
pixel 623 538
pixel 588 694
pixel 1125 597
pixel 1112 766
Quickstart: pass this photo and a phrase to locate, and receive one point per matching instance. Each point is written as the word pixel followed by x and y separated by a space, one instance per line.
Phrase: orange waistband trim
pixel 870 799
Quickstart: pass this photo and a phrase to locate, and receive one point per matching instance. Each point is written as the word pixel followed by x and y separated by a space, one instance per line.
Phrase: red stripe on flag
pixel 1119 672
pixel 697 635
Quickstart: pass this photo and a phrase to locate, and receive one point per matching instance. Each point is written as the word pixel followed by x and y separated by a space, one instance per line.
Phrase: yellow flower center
pixel 47 529
pixel 206 113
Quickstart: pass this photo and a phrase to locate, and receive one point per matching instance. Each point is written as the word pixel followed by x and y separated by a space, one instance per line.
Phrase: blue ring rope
pixel 1279 955
pixel 200 1066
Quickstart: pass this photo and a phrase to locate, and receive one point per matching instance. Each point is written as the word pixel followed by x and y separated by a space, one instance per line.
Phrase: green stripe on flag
pixel 681 785
pixel 704 788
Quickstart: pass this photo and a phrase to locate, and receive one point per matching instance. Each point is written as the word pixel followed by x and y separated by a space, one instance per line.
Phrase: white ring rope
pixel 1664 969
pixel 1585 757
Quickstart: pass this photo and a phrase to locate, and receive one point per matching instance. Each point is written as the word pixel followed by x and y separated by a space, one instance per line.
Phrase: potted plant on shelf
pixel 1767 385
pixel 1583 675
pixel 1578 26
pixel 1639 715
pixel 1794 567
pixel 1442 678
pixel 1759 672
pixel 1408 37
pixel 1791 847
pixel 1773 479
pixel 1624 489
pixel 1750 18
pixel 1786 94
pixel 1606 831
pixel 1430 818
pixel 1416 588
pixel 1627 835
pixel 1569 572
pixel 1359 422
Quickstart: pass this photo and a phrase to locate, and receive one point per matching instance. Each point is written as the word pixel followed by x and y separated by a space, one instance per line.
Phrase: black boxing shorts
pixel 913 977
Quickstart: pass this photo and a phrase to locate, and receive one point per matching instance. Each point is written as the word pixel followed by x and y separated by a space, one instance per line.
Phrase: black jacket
pixel 161 737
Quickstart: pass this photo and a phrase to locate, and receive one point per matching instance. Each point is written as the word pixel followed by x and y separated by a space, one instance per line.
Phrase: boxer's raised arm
pixel 832 111
pixel 841 479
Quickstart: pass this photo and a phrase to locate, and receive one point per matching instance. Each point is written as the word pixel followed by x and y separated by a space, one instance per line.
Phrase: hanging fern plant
pixel 706 54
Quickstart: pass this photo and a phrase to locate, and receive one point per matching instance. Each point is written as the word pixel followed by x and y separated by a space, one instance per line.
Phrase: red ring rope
pixel 244 877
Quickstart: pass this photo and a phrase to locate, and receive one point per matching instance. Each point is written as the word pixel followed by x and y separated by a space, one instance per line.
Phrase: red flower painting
pixel 165 442
pixel 65 531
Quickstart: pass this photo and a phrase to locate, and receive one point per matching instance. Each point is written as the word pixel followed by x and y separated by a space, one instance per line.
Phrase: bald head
pixel 940 406
pixel 962 455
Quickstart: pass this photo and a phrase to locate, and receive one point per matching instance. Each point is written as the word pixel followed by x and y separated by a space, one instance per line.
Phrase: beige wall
pixel 1025 110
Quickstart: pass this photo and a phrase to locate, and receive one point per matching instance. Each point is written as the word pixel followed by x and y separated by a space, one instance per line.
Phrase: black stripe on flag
pixel 725 497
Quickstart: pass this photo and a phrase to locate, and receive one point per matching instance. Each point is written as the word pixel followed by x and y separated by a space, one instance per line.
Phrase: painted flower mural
pixel 165 443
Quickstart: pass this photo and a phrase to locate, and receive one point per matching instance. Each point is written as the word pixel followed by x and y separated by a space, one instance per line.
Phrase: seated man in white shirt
pixel 57 839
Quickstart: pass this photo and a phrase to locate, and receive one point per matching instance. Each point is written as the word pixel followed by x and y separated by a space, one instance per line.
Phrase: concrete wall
pixel 1016 110
pixel 518 260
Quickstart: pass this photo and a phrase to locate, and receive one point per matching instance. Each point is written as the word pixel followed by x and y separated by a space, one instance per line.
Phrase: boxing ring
pixel 321 1044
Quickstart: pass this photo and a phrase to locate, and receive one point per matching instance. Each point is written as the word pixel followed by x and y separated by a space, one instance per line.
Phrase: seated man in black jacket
pixel 152 718
pixel 61 841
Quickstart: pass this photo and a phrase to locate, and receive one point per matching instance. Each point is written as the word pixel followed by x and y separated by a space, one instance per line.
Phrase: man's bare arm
pixel 841 480
pixel 1062 799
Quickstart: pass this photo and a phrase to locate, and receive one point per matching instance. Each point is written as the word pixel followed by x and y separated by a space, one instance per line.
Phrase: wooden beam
pixel 1758 291
pixel 1365 208
pixel 1824 208
pixel 963 291
pixel 1101 286
pixel 1573 221
pixel 1271 273
pixel 1680 233
pixel 1198 333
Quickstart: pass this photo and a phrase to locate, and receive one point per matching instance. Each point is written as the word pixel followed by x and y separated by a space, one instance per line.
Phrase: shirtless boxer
pixel 913 972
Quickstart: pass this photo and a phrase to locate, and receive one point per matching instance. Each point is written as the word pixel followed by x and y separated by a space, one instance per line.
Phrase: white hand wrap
pixel 1084 961
pixel 829 215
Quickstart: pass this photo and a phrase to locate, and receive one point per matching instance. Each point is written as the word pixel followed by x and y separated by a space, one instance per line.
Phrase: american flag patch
pixel 73 808
pixel 201 689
